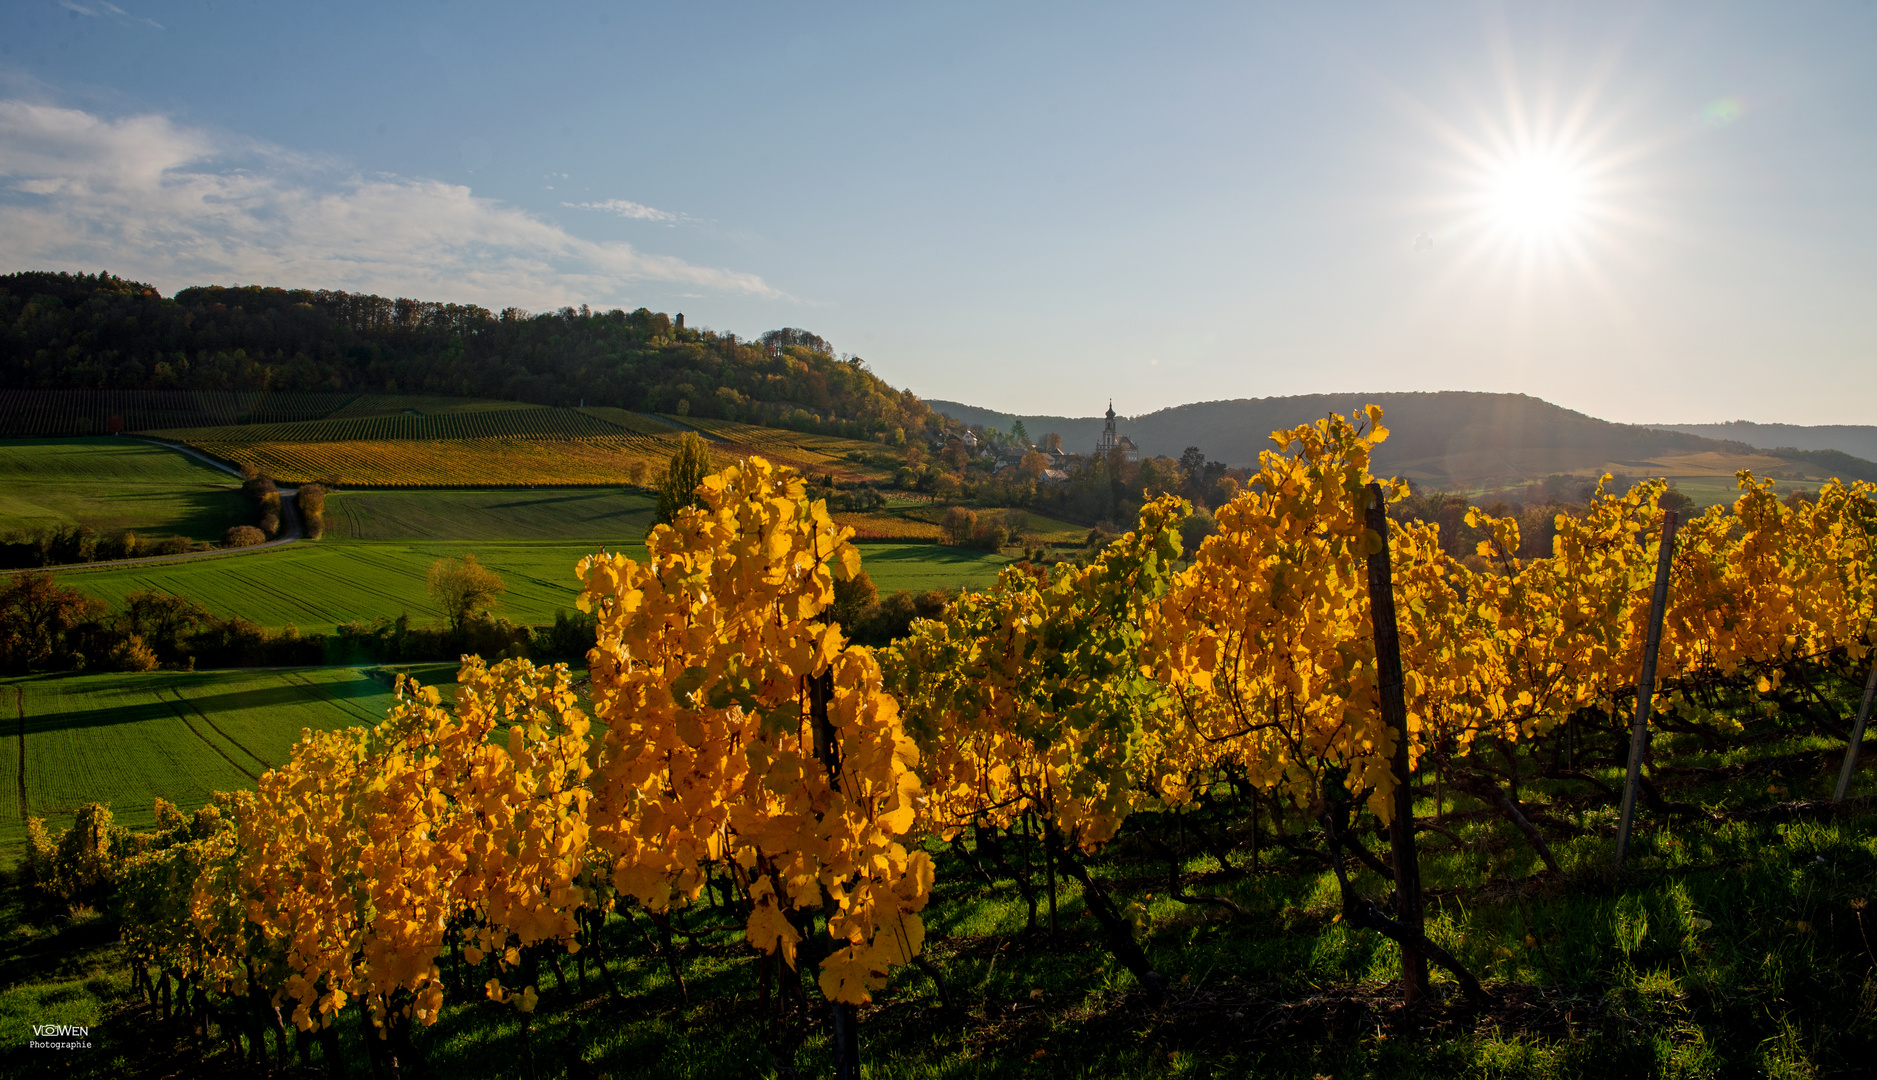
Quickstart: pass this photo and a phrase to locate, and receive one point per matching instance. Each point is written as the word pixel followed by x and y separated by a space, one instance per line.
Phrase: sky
pixel 1645 211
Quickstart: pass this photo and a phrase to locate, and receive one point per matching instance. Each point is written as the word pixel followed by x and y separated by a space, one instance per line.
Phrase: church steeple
pixel 1109 437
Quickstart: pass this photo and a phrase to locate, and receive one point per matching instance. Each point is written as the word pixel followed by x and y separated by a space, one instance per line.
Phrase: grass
pixel 111 484
pixel 317 586
pixel 583 514
pixel 127 738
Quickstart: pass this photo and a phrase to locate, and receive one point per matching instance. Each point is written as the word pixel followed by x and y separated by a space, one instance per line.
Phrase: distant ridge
pixel 1453 439
pixel 1858 440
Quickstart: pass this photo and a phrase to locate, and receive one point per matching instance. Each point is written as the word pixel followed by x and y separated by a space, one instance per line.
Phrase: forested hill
pixel 1455 438
pixel 90 332
pixel 1858 440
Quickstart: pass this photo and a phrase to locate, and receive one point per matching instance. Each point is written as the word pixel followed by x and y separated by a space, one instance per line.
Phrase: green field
pixel 613 516
pixel 125 739
pixel 114 483
pixel 316 586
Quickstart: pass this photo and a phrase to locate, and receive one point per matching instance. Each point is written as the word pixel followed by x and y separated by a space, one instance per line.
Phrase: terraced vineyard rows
pixel 798 450
pixel 96 412
pixel 526 423
pixel 636 423
pixel 501 462
pixel 887 525
pixel 428 405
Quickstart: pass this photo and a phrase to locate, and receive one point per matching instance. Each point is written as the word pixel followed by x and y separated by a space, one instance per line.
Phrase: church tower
pixel 1112 440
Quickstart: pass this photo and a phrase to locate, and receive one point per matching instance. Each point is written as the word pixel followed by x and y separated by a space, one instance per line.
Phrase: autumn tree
pixel 959 524
pixel 687 469
pixel 461 586
pixel 37 617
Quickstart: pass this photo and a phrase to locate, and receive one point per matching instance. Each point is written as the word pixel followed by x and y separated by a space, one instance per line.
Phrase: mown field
pixel 127 738
pixel 508 514
pixel 112 483
pixel 317 586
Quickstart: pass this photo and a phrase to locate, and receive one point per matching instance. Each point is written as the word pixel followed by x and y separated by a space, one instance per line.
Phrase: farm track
pixel 19 702
pixel 320 692
pixel 289 512
pixel 232 741
pixel 210 743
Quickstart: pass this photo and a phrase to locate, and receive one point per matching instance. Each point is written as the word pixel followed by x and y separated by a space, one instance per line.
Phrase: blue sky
pixel 1658 211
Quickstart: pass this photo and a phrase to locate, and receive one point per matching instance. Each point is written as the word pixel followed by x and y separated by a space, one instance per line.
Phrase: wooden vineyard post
pixel 1850 752
pixel 1645 683
pixel 843 1024
pixel 1395 714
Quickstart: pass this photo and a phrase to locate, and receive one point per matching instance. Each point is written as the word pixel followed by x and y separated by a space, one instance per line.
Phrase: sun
pixel 1535 196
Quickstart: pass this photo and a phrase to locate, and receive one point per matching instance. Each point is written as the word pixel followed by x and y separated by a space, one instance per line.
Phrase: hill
pixel 295 351
pixel 1858 440
pixel 1448 439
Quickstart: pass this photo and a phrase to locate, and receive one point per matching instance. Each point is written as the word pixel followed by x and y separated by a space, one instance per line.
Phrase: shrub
pixel 852 597
pixel 882 622
pixel 572 635
pixel 243 536
pixel 175 545
pixel 125 545
pixel 989 533
pixel 958 525
pixel 1195 529
pixel 312 503
pixel 131 654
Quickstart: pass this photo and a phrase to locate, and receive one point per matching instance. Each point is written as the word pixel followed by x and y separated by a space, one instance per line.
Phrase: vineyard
pixel 517 462
pixel 627 420
pixel 527 423
pixel 806 452
pixel 49 413
pixel 99 412
pixel 887 525
pixel 1149 783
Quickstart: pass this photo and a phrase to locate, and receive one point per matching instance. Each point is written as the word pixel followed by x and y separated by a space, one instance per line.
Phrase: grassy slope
pixel 316 586
pixel 113 483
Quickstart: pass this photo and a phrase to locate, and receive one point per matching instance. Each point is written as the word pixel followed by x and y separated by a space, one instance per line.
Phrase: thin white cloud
pixel 149 199
pixel 628 209
pixel 101 10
